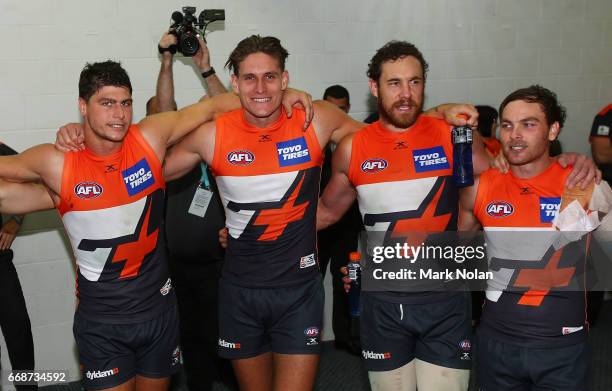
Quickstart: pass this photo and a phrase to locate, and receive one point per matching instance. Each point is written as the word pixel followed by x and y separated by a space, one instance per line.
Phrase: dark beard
pixel 402 123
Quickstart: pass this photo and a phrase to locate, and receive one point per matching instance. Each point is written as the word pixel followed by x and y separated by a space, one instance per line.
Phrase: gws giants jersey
pixel 268 179
pixel 536 297
pixel 112 208
pixel 404 183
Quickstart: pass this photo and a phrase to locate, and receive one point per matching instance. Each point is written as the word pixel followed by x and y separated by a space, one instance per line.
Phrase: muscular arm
pixel 214 85
pixel 332 124
pixel 467 197
pixel 196 147
pixel 19 198
pixel 339 194
pixel 202 60
pixel 165 129
pixel 39 163
pixel 164 91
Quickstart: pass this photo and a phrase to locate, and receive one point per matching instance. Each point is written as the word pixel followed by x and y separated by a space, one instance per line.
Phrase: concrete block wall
pixel 478 50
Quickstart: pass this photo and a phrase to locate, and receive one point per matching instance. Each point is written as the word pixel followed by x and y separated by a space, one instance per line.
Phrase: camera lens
pixel 189 44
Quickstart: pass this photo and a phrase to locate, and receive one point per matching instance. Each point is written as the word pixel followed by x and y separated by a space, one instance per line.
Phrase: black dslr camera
pixel 186 28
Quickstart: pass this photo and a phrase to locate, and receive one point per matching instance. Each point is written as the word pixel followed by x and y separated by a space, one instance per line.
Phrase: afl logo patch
pixel 88 190
pixel 500 209
pixel 240 157
pixel 311 332
pixel 371 166
pixel 465 345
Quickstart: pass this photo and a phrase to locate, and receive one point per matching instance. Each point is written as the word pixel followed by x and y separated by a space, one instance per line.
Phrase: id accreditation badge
pixel 200 201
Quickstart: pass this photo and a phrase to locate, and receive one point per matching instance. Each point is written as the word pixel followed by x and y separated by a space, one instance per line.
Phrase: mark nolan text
pixel 429 274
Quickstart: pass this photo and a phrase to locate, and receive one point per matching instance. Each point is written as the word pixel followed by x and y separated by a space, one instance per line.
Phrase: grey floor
pixel 340 371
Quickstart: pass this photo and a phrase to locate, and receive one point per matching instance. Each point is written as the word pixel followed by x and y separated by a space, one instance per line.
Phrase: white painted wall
pixel 479 51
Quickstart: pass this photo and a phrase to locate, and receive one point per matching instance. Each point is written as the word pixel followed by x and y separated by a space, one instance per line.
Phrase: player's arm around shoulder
pixel 331 123
pixel 467 201
pixel 41 163
pixel 20 198
pixel 194 148
pixel 339 194
pixel 165 129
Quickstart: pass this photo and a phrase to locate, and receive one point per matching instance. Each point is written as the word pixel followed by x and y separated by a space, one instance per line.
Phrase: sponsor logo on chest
pixel 292 152
pixel 430 159
pixel 549 206
pixel 500 209
pixel 240 157
pixel 138 178
pixel 88 190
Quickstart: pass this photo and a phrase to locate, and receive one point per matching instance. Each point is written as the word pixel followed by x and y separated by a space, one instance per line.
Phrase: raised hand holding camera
pixel 167 44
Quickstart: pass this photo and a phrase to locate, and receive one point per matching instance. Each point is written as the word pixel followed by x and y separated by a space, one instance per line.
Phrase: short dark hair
pixel 101 74
pixel 393 51
pixel 486 116
pixel 336 91
pixel 547 100
pixel 257 44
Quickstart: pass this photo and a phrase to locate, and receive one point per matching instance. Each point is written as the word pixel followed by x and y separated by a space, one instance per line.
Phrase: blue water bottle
pixel 463 172
pixel 354 273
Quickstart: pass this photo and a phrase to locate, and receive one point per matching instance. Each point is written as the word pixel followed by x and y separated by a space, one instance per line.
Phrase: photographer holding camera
pixel 194 255
pixel 164 94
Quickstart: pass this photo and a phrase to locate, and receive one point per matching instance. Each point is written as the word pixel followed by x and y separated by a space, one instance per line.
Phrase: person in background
pixel 14 319
pixel 195 257
pixel 487 126
pixel 601 147
pixel 336 242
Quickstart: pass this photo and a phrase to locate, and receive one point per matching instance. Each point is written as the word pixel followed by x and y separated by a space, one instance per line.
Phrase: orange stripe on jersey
pixel 540 281
pixel 416 227
pixel 277 219
pixel 133 253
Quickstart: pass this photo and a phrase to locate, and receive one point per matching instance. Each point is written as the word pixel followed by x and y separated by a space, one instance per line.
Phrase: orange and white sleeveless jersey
pixel 112 208
pixel 404 181
pixel 534 298
pixel 268 179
